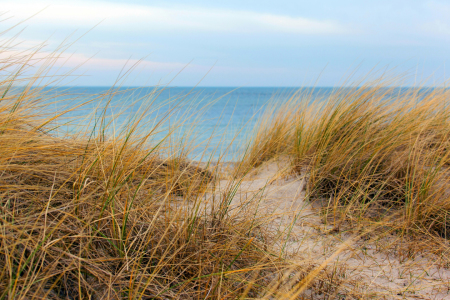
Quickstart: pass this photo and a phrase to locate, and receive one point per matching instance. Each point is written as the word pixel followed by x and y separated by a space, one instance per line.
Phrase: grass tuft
pixel 95 215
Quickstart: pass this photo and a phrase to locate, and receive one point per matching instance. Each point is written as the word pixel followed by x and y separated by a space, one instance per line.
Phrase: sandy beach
pixel 364 268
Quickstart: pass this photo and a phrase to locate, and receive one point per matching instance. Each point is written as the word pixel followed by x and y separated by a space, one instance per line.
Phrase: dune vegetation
pixel 95 215
pixel 373 155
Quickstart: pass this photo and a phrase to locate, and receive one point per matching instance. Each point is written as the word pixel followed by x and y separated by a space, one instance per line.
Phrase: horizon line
pixel 233 87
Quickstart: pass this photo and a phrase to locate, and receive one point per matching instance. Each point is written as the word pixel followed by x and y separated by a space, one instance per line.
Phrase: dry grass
pixel 372 154
pixel 110 217
pixel 375 153
pixel 274 132
pixel 376 163
pixel 113 216
pixel 106 214
pixel 96 218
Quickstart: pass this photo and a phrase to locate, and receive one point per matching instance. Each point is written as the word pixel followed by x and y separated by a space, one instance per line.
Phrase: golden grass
pixel 112 216
pixel 378 154
pixel 274 131
pixel 106 214
pixel 99 218
pixel 372 155
pixel 93 216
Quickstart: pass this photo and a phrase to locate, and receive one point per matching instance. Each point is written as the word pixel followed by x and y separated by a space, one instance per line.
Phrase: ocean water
pixel 215 121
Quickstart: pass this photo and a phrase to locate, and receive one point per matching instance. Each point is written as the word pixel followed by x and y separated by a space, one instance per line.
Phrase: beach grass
pixel 373 154
pixel 108 213
pixel 94 216
pixel 120 213
pixel 378 154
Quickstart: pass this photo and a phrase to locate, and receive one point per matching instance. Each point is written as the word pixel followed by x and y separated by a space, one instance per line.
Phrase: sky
pixel 236 43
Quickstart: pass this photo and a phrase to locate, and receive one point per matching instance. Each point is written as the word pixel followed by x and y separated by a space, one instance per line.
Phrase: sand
pixel 363 268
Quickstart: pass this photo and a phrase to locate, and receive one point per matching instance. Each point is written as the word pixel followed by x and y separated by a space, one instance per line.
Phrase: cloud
pixel 76 60
pixel 117 64
pixel 163 19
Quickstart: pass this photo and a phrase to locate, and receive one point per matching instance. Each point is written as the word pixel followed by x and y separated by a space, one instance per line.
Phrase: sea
pixel 213 123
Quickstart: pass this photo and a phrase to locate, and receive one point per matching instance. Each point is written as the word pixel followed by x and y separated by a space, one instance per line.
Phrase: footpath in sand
pixel 364 269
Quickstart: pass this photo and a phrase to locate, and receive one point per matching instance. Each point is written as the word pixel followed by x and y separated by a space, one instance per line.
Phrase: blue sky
pixel 238 43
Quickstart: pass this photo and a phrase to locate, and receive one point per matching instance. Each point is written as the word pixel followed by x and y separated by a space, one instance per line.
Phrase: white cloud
pixel 117 64
pixel 141 17
pixel 91 63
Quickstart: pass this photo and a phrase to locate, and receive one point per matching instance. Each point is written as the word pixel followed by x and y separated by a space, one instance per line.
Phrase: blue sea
pixel 214 121
pixel 217 122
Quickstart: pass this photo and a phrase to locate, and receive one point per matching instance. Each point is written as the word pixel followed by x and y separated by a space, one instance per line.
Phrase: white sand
pixel 366 269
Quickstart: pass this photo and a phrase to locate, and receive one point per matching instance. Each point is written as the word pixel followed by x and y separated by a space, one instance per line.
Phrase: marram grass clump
pixel 377 153
pixel 120 213
pixel 371 154
pixel 97 217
